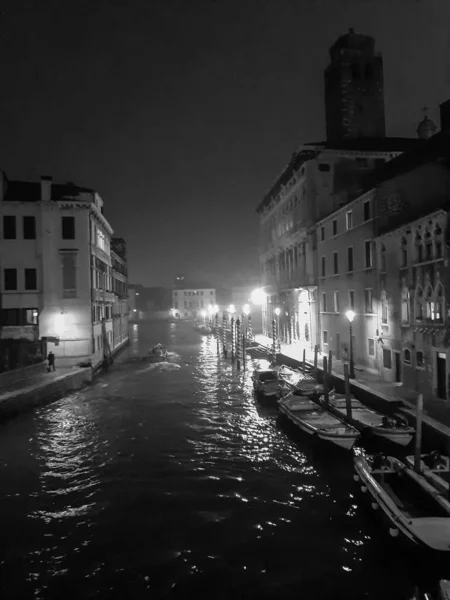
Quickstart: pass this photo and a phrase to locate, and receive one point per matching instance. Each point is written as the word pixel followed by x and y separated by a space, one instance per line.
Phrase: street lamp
pixel 258 296
pixel 231 309
pixel 204 316
pixel 350 316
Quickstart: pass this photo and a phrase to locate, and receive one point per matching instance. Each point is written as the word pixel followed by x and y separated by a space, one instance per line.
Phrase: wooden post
pixel 232 338
pixel 304 361
pixel 238 343
pixel 330 361
pixel 243 351
pixel 325 382
pixel 418 441
pixel 316 350
pixel 348 397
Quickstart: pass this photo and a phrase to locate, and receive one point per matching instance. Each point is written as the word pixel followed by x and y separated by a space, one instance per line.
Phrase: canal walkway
pixel 436 411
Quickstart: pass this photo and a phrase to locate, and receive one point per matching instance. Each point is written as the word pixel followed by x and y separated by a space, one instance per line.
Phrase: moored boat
pixel 395 429
pixel 414 508
pixel 266 384
pixel 314 420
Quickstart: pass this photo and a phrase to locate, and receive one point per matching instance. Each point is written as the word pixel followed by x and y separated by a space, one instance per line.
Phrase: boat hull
pixel 402 438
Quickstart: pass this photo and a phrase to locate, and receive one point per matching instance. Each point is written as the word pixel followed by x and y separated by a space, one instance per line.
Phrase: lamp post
pixel 204 316
pixel 350 316
pixel 246 312
pixel 259 297
pixel 277 311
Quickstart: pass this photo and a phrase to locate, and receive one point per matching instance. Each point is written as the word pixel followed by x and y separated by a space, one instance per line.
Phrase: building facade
pixel 56 269
pixel 188 303
pixel 120 290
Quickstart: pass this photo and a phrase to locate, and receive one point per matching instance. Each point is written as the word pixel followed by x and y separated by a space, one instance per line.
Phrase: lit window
pixel 325 337
pixel 368 301
pixel 336 301
pixel 349 220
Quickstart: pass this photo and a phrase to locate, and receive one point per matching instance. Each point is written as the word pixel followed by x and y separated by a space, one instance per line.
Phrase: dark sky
pixel 181 113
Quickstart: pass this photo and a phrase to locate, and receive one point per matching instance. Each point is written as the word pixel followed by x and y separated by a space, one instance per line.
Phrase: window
pixel 68 228
pixel 368 254
pixel 10 317
pixel 438 247
pixel 349 220
pixel 324 167
pixel 350 258
pixel 325 337
pixel 387 358
pixel 439 303
pixel 324 302
pixel 368 301
pixel 420 253
pixel 30 279
pixel 323 266
pixel 418 303
pixel 322 233
pixel 405 305
pixel 420 362
pixel 10 279
pixel 334 226
pixel 31 316
pixel 367 210
pixel 69 275
pixel 371 346
pixel 383 258
pixel 9 228
pixel 384 308
pixel 336 301
pixel 335 263
pixel 29 228
pixel 429 250
pixel 351 299
pixel 407 357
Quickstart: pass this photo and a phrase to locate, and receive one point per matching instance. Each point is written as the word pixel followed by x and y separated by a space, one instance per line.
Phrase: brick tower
pixel 354 95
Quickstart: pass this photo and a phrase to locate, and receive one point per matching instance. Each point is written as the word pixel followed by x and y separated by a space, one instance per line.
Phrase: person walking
pixel 51 361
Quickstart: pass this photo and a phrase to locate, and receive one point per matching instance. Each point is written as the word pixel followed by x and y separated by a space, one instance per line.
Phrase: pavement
pixel 35 381
pixel 436 410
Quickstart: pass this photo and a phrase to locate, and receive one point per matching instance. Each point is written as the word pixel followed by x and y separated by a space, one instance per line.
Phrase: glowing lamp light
pixel 134 309
pixel 277 311
pixel 258 296
pixel 246 309
pixel 216 308
pixel 203 313
pixel 232 308
pixel 350 315
pixel 211 309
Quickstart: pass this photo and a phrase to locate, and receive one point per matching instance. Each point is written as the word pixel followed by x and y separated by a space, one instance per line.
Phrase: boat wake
pixel 160 366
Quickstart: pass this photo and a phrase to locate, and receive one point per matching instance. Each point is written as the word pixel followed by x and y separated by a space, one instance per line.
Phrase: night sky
pixel 182 113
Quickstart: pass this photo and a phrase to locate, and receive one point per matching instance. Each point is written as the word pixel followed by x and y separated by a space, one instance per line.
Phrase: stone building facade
pixel 120 309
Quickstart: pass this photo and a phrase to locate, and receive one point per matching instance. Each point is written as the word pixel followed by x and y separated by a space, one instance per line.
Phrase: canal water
pixel 170 481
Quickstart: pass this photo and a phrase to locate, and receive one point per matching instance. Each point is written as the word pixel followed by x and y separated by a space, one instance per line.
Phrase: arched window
pixel 428 245
pixel 384 308
pixel 419 247
pixel 405 305
pixel 429 301
pixel 404 252
pixel 437 241
pixel 383 257
pixel 439 303
pixel 407 356
pixel 418 303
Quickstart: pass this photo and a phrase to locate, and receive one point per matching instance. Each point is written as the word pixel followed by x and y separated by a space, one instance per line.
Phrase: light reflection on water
pixel 172 481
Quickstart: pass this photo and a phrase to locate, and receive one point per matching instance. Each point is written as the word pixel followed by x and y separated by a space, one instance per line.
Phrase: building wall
pixel 413 337
pixel 360 281
pixel 120 308
pixel 188 303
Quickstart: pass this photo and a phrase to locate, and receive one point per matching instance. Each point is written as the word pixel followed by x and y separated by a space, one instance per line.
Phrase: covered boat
pixel 414 508
pixel 266 384
pixel 314 420
pixel 435 468
pixel 395 429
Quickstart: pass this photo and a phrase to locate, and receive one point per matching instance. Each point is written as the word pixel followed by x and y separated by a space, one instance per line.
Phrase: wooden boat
pixel 157 354
pixel 433 466
pixel 395 429
pixel 414 508
pixel 314 420
pixel 203 329
pixel 266 383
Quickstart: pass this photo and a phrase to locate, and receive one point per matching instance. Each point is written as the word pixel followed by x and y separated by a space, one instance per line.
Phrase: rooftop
pixel 30 191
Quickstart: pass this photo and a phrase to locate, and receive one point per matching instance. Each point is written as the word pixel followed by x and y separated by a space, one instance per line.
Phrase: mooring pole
pixel 238 343
pixel 316 350
pixel 232 338
pixel 325 382
pixel 348 398
pixel 304 361
pixel 330 361
pixel 418 441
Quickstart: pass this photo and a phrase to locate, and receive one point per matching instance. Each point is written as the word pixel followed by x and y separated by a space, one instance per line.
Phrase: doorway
pixel 441 368
pixel 398 367
pixel 338 346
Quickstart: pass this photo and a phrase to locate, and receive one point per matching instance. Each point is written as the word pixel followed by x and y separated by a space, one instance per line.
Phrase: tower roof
pixel 352 41
pixel 426 128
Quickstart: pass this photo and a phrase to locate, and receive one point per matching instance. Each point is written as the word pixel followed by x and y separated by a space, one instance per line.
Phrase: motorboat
pixel 433 467
pixel 203 328
pixel 157 354
pixel 266 384
pixel 414 507
pixel 315 420
pixel 395 428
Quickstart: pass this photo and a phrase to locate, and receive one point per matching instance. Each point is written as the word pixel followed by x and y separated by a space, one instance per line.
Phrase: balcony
pixel 102 296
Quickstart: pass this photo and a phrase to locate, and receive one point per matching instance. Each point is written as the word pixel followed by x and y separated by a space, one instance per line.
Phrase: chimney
pixel 46 188
pixel 445 117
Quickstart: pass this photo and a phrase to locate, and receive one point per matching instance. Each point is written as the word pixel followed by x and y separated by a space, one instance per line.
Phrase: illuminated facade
pixel 56 269
pixel 188 303
pixel 120 291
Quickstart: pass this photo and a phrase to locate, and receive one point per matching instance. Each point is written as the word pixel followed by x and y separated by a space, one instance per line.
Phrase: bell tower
pixel 354 93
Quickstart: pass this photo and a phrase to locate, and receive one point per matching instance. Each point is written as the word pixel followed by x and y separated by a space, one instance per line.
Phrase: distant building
pixel 148 303
pixel 56 284
pixel 190 301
